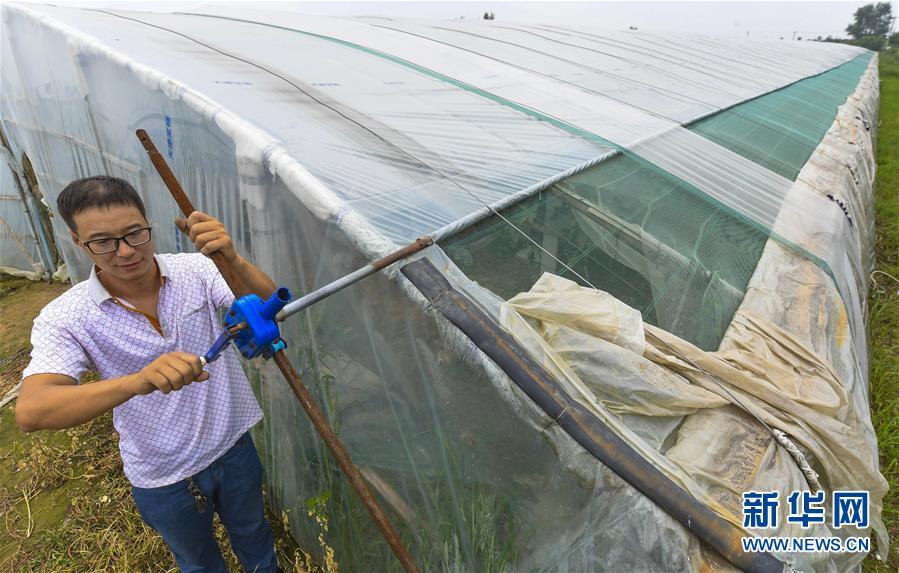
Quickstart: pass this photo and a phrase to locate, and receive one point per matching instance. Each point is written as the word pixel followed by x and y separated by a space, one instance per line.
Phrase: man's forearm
pixel 54 401
pixel 60 406
pixel 253 278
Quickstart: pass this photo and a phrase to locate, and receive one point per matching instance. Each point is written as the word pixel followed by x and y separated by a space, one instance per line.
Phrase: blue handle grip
pixel 220 344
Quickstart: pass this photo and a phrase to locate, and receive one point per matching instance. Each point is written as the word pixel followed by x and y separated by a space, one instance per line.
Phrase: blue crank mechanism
pixel 261 336
pixel 252 325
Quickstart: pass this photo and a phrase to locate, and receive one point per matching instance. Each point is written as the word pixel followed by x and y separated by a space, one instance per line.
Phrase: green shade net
pixel 630 231
pixel 780 130
pixel 649 239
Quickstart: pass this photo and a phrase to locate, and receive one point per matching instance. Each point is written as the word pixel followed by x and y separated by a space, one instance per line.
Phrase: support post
pixel 307 401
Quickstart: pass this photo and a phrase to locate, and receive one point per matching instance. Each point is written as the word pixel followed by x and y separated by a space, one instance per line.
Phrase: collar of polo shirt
pixel 98 292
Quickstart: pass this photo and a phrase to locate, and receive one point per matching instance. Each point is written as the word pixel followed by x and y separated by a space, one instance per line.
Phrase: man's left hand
pixel 208 234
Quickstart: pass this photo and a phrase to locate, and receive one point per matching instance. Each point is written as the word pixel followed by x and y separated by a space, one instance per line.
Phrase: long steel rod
pixel 509 200
pixel 352 278
pixel 442 233
pixel 307 401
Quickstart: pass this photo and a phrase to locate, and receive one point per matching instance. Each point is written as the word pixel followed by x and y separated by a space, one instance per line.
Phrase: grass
pixel 884 304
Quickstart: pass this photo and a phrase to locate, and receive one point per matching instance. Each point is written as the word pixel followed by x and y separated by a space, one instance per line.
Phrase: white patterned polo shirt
pixel 163 438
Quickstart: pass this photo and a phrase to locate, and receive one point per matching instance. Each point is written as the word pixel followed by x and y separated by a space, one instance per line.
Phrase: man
pixel 141 321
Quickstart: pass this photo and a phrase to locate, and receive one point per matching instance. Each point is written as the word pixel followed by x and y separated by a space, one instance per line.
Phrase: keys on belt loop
pixel 199 498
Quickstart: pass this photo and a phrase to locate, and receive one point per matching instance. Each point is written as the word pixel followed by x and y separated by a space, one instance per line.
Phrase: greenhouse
pixel 646 294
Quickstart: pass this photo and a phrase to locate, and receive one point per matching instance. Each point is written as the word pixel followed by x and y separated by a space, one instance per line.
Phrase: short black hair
pixel 99 191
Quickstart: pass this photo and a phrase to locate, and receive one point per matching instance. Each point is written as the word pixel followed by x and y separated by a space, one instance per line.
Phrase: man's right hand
pixel 169 372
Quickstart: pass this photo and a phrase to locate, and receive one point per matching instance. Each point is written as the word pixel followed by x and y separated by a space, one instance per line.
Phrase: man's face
pixel 126 263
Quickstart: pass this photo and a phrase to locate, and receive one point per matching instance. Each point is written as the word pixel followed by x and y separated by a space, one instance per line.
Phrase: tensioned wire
pixel 565 126
pixel 524 68
pixel 380 137
pixel 771 117
pixel 778 436
pixel 652 87
pixel 737 109
pixel 636 63
pixel 690 53
pixel 536 114
pixel 685 63
pixel 515 105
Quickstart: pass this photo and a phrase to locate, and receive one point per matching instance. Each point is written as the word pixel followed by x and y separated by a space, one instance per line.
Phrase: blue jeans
pixel 232 486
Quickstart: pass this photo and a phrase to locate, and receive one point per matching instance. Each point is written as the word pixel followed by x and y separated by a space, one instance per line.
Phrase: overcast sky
pixel 770 20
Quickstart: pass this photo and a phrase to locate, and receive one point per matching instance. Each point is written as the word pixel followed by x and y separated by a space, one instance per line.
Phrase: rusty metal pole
pixel 371 268
pixel 187 208
pixel 307 401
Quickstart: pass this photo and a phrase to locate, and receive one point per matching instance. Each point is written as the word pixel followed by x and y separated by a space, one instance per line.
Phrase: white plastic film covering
pixel 322 143
pixel 810 384
pixel 19 247
pixel 516 81
pixel 761 369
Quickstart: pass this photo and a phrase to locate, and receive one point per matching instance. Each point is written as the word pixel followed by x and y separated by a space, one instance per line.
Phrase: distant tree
pixel 871 20
pixel 489 16
pixel 875 43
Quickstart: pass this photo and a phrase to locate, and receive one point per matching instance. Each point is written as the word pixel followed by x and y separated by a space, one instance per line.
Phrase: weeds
pixel 883 303
pixel 66 506
pixel 315 508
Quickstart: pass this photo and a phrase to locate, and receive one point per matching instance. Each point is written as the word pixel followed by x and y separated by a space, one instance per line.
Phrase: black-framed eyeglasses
pixel 111 245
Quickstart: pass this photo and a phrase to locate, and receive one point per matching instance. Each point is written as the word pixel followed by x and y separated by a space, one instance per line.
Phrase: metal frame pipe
pixel 444 232
pixel 352 278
